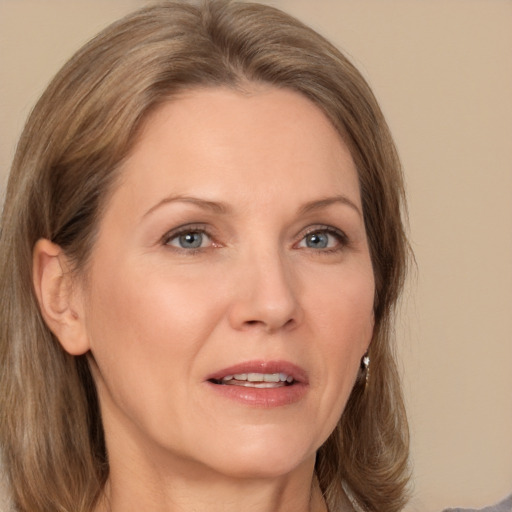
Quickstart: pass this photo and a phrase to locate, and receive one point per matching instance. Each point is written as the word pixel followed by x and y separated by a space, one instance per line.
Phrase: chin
pixel 263 456
pixel 268 469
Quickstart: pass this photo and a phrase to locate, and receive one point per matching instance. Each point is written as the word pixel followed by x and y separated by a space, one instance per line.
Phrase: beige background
pixel 442 70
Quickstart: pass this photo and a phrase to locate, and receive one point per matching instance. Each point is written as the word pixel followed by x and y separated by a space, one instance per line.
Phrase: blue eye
pixel 317 240
pixel 189 240
pixel 324 239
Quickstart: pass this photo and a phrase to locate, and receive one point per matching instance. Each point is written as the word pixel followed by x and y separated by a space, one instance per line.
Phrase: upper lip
pixel 299 374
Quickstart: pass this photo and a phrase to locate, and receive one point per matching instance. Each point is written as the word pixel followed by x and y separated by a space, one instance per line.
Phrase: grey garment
pixel 502 506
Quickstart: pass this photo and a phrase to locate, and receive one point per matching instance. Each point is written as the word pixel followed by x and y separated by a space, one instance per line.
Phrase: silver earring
pixel 365 369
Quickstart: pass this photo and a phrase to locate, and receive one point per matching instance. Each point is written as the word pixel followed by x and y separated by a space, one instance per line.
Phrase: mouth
pixel 261 384
pixel 256 380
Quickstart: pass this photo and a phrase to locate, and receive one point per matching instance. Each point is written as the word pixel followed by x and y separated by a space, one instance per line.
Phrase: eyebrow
pixel 328 201
pixel 222 208
pixel 213 206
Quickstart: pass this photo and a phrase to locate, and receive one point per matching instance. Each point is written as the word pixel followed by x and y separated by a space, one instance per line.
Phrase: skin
pixel 157 318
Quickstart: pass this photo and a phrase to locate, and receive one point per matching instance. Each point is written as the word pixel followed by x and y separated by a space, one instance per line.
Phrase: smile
pixel 261 384
pixel 256 380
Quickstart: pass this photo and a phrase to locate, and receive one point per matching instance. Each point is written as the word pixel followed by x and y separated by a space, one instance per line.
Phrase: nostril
pixel 249 324
pixel 254 324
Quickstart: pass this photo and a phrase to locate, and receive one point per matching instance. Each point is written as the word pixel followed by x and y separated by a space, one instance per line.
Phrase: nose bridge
pixel 266 295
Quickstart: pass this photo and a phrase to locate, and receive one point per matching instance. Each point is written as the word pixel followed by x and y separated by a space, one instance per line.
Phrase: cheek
pixel 143 298
pixel 150 327
pixel 343 319
pixel 145 338
pixel 140 316
pixel 343 307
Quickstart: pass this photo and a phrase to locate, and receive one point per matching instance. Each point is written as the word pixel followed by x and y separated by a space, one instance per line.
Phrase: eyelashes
pixel 194 238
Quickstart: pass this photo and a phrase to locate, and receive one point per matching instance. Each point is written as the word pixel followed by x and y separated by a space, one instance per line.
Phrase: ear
pixel 60 301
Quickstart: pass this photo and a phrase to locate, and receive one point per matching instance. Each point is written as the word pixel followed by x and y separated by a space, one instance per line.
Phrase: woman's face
pixel 230 294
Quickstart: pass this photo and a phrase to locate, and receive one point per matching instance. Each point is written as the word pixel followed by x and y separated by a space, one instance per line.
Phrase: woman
pixel 201 251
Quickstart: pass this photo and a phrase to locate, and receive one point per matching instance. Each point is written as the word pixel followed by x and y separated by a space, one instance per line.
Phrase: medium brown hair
pixel 79 133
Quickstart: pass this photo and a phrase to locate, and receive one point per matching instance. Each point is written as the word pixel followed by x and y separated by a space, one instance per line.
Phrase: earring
pixel 365 369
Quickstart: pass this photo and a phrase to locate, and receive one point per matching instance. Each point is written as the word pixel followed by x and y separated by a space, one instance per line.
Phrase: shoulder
pixel 502 506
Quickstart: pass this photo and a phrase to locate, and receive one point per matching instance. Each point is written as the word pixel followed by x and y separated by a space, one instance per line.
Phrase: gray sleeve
pixel 502 506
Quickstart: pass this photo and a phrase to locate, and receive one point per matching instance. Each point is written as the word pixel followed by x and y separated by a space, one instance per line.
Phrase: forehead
pixel 219 140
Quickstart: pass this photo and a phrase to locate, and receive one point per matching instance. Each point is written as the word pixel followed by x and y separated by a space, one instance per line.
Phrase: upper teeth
pixel 260 377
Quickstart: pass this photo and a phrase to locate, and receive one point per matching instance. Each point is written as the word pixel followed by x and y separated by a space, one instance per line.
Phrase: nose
pixel 265 295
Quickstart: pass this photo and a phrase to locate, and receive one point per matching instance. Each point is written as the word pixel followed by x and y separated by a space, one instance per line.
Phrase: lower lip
pixel 265 398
